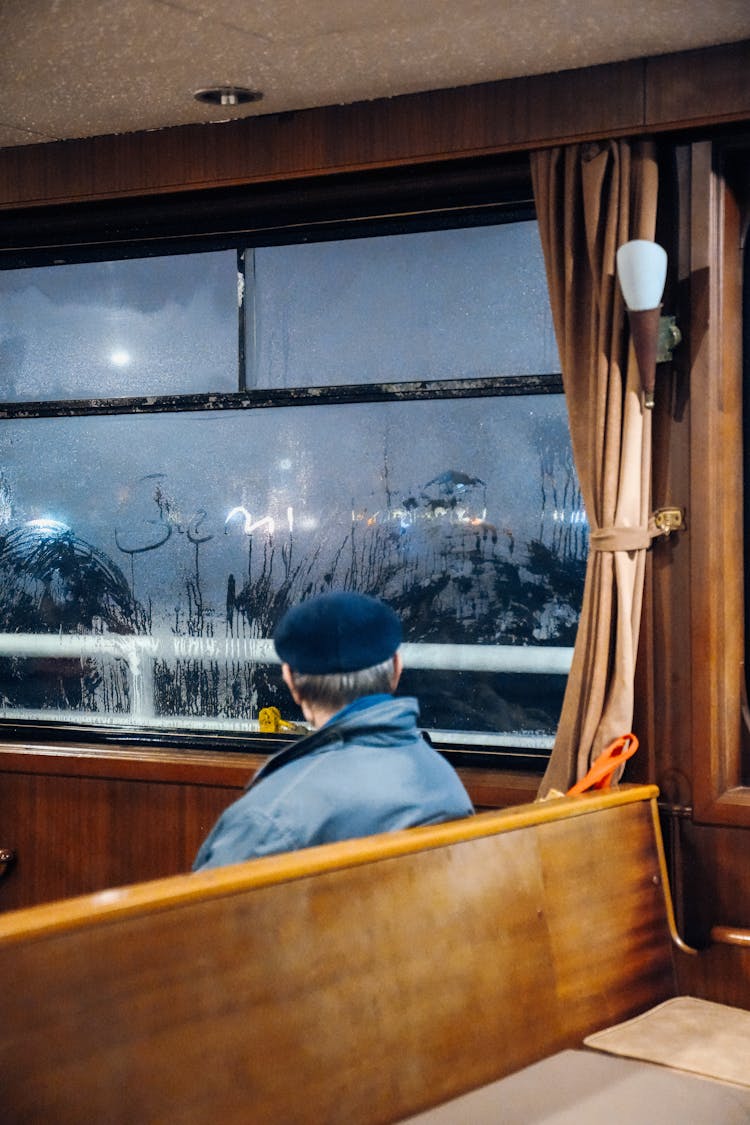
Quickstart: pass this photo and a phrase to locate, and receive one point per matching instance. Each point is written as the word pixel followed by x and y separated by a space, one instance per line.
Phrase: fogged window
pixel 144 326
pixel 145 558
pixel 434 305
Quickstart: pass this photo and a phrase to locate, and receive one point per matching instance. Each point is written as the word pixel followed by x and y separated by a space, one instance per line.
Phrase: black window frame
pixel 350 205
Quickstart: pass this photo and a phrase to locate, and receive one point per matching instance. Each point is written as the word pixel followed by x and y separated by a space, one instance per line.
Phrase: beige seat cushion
pixel 689 1034
pixel 589 1088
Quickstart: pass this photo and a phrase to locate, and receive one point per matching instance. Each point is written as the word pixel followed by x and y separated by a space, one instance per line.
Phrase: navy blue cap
pixel 337 632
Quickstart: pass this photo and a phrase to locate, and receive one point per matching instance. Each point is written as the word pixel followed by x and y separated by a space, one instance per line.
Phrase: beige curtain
pixel 590 199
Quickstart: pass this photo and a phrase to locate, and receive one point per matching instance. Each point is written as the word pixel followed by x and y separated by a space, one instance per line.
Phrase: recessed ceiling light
pixel 227 95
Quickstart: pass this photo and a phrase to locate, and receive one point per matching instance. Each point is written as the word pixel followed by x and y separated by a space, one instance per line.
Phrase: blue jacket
pixel 367 770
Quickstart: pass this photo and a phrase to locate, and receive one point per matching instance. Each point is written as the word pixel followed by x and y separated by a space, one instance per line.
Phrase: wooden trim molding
pixel 679 91
pixel 730 935
pixel 128 763
pixel 287 866
pixel 488 788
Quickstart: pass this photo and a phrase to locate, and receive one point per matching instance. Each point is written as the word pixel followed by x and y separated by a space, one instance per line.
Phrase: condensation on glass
pixel 141 326
pixel 145 558
pixel 442 304
pixel 185 537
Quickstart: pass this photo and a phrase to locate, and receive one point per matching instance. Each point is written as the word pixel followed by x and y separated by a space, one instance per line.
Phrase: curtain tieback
pixel 625 538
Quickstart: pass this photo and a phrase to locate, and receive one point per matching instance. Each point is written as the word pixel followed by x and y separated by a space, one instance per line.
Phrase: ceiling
pixel 80 68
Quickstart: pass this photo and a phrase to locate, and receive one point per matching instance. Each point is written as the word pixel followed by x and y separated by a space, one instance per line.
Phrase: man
pixel 366 767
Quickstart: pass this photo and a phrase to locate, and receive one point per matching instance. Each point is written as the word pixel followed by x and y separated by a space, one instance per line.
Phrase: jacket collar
pixel 385 711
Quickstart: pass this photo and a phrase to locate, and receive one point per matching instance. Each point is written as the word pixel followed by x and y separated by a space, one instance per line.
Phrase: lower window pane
pixel 144 560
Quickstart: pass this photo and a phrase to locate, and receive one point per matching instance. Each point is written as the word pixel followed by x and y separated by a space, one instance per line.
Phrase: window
pixel 193 440
pixel 149 326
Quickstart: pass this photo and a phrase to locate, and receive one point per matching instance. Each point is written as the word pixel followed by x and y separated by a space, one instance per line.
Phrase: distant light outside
pixel 177 314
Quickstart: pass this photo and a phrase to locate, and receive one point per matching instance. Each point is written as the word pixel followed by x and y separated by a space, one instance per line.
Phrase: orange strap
pixel 613 756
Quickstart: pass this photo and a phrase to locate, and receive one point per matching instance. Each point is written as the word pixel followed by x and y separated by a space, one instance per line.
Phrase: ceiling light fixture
pixel 227 95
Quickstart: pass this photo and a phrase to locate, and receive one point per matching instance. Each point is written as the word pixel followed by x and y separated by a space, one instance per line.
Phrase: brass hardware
pixel 668 339
pixel 667 520
pixel 7 855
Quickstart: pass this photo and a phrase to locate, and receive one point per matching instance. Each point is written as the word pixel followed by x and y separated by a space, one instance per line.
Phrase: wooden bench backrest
pixel 354 983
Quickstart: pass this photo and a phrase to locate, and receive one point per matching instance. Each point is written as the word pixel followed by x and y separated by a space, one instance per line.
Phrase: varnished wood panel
pixel 72 835
pixel 699 87
pixel 491 117
pixel 721 974
pixel 673 91
pixel 81 819
pixel 358 994
pixel 715 605
pixel 716 877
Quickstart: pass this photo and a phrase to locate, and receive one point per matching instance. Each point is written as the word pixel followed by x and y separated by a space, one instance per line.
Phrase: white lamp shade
pixel 642 271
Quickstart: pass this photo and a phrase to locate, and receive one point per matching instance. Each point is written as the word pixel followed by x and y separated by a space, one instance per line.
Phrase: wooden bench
pixel 358 982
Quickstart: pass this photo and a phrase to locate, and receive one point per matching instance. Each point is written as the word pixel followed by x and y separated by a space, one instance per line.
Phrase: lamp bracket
pixel 669 337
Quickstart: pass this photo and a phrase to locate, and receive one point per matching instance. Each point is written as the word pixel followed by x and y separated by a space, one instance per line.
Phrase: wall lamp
pixel 642 272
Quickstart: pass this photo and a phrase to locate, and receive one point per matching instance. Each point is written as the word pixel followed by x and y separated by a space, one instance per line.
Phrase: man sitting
pixel 366 768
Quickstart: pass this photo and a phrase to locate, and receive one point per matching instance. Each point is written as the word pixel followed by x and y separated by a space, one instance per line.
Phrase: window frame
pixel 719 718
pixel 343 206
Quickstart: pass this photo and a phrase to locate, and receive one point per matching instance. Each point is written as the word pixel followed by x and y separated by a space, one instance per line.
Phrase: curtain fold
pixel 590 199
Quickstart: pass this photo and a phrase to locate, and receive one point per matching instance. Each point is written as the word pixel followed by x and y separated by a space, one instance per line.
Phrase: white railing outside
pixel 138 652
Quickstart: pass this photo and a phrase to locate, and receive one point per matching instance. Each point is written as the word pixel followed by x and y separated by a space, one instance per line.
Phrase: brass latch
pixel 667 520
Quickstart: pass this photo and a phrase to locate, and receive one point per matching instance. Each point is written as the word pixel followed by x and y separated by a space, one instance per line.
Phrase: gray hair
pixel 339 688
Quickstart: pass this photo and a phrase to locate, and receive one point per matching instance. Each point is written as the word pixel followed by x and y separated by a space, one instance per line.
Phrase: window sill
pixel 488 788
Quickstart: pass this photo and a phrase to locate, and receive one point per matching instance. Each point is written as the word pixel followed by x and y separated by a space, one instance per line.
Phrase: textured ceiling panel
pixel 72 68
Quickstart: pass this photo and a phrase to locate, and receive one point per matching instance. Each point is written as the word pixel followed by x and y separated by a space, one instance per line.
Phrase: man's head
pixel 337 647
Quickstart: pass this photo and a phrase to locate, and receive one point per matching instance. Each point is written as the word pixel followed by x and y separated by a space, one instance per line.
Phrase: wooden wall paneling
pixel 672 91
pixel 716 878
pixel 498 789
pixel 74 835
pixel 413 128
pixel 81 825
pixel 720 974
pixel 699 87
pixel 81 819
pixel 716 594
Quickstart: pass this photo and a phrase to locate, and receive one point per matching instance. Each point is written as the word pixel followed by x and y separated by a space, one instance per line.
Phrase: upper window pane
pixel 443 304
pixel 141 326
